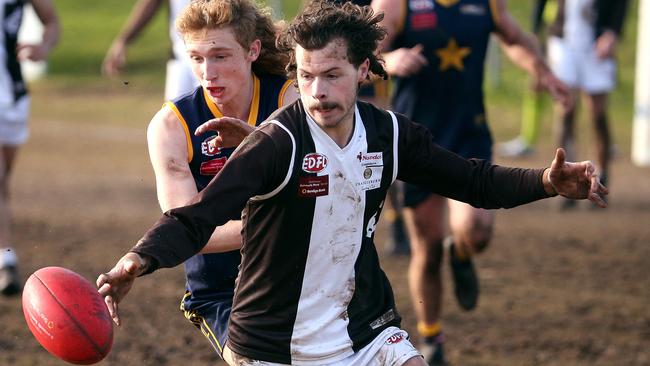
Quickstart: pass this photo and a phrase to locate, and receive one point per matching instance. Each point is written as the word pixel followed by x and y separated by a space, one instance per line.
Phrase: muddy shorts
pixel 390 348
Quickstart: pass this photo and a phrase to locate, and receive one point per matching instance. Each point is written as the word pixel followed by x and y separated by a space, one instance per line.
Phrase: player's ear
pixel 362 71
pixel 254 50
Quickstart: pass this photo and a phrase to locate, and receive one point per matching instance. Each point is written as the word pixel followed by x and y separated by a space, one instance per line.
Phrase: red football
pixel 67 315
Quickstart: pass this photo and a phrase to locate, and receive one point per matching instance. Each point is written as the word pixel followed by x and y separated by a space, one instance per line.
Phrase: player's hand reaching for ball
pixel 116 283
pixel 574 180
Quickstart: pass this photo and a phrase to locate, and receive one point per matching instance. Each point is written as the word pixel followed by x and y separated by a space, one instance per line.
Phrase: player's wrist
pixel 145 263
pixel 549 188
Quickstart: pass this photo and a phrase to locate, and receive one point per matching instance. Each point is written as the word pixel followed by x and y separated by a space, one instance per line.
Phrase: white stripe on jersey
pixel 395 140
pixel 289 172
pixel 336 236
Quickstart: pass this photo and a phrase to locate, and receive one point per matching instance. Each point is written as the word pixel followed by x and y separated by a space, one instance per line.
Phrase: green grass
pixel 89 29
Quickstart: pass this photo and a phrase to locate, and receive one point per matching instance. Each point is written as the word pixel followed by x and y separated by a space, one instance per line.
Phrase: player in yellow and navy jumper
pixel 208 298
pixel 435 51
pixel 231 47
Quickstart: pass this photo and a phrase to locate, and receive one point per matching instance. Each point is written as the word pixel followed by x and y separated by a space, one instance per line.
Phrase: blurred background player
pixel 232 52
pixel 581 48
pixel 533 102
pixel 436 52
pixel 179 79
pixel 14 112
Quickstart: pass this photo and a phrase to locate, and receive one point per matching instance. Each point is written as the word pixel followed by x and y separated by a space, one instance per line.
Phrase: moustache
pixel 325 106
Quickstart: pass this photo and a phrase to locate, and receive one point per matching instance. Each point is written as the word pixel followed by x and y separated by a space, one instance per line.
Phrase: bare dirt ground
pixel 569 288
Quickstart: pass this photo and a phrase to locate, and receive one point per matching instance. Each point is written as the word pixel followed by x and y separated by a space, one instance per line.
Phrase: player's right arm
pixel 142 13
pixel 404 61
pixel 175 186
pixel 47 14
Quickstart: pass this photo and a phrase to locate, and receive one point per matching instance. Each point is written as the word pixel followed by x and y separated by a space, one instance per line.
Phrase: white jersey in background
pixel 179 79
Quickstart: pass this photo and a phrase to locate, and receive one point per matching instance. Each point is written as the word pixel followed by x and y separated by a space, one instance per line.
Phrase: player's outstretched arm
pixel 141 14
pixel 116 283
pixel 574 180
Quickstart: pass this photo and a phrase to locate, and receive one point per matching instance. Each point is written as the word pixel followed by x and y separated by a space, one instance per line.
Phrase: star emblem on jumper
pixel 452 56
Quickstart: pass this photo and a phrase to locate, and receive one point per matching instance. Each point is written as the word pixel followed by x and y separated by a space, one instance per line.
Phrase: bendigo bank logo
pixel 314 163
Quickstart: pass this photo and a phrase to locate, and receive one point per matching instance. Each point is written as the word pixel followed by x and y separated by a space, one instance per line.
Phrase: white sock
pixel 8 257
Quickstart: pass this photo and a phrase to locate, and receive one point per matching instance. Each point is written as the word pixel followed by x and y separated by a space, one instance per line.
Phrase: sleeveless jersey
pixel 12 86
pixel 447 95
pixel 211 277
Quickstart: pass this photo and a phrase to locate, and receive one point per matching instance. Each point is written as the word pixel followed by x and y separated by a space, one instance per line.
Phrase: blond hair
pixel 248 22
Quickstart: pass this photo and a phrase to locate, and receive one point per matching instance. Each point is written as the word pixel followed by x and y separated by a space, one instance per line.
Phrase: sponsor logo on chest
pixel 212 167
pixel 208 150
pixel 372 166
pixel 421 5
pixel 314 163
pixel 473 9
pixel 371 159
pixel 313 186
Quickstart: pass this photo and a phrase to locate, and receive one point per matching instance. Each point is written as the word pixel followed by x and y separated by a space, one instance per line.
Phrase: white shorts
pixel 179 79
pixel 13 122
pixel 580 68
pixel 390 348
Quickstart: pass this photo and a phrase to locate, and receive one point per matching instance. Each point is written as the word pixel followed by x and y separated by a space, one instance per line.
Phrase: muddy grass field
pixel 558 288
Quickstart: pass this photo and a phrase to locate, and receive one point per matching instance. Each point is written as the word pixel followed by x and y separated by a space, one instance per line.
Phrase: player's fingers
pixel 603 190
pixel 597 199
pixel 215 142
pixel 558 161
pixel 598 187
pixel 210 125
pixel 104 289
pixel 101 279
pixel 418 48
pixel 112 309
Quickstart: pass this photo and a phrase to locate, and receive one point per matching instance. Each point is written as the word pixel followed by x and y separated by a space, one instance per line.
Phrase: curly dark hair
pixel 248 22
pixel 322 21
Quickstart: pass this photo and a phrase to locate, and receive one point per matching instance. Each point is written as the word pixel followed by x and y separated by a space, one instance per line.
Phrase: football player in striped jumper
pixel 311 182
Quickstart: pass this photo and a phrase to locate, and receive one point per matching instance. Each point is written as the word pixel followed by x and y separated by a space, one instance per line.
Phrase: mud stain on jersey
pixel 344 213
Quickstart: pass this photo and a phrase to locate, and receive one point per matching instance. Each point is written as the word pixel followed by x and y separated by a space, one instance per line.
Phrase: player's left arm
pixel 175 185
pixel 524 51
pixel 47 14
pixel 612 27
